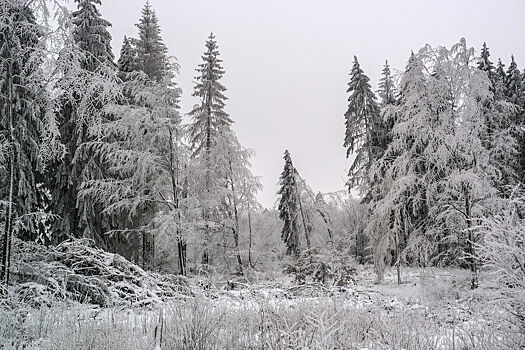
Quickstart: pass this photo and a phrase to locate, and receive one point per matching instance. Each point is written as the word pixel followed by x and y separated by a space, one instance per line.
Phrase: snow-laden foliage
pixel 502 253
pixel 361 120
pixel 221 182
pixel 143 152
pixel 289 209
pixel 78 271
pixel 439 177
pixel 151 53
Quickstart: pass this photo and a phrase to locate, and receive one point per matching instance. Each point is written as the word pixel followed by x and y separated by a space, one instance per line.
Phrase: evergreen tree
pixel 361 119
pixel 387 89
pixel 381 137
pixel 381 134
pixel 484 62
pixel 497 118
pixel 289 206
pixel 499 81
pixel 513 84
pixel 24 122
pixel 398 201
pixel 145 156
pixel 127 60
pixel 209 116
pixel 208 119
pixel 500 69
pixel 91 36
pixel 515 94
pixel 486 65
pixel 152 54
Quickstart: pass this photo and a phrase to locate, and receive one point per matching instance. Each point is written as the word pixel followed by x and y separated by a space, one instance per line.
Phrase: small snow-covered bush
pixel 503 255
pixel 322 267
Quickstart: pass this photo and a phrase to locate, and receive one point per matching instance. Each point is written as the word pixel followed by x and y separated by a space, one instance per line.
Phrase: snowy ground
pixel 432 309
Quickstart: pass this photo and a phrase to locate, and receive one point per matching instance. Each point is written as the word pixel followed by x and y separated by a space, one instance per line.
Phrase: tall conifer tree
pixel 386 89
pixel 127 61
pixel 91 35
pixel 515 94
pixel 152 54
pixel 361 118
pixel 21 122
pixel 289 206
pixel 208 119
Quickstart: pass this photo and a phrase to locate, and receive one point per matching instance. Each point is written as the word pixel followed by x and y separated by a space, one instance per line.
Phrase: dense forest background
pixel 96 147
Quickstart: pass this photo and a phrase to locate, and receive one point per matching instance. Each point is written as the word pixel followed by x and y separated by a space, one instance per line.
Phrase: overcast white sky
pixel 287 63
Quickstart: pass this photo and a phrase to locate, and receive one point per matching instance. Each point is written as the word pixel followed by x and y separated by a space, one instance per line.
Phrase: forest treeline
pixel 96 147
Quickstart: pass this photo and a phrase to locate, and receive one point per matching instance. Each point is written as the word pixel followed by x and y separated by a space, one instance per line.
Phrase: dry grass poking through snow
pixel 434 310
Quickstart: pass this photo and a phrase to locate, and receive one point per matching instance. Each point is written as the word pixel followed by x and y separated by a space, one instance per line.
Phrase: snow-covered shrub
pixel 326 267
pixel 502 253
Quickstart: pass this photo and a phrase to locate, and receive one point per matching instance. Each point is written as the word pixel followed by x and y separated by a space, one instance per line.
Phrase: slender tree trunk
pixel 175 166
pixel 8 229
pixel 306 229
pixel 205 254
pixel 326 221
pixel 143 249
pixel 470 244
pixel 357 246
pixel 250 240
pixel 236 227
pixel 398 260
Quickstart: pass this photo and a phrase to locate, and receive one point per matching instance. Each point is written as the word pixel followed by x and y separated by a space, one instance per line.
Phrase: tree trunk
pixel 175 168
pixel 250 240
pixel 8 230
pixel 236 227
pixel 470 242
pixel 326 221
pixel 398 259
pixel 205 214
pixel 306 229
pixel 143 250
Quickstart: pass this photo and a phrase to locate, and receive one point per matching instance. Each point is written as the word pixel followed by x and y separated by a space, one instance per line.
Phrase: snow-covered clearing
pixel 433 309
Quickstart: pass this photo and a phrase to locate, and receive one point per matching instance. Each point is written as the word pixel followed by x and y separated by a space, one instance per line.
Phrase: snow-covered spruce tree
pixel 20 124
pixel 152 54
pixel 386 89
pixel 486 65
pixel 289 207
pixel 513 81
pixel 91 34
pixel 499 80
pixel 498 122
pixel 208 117
pixel 387 92
pixel 381 133
pixel 145 156
pixel 515 94
pixel 127 61
pixel 78 116
pixel 29 134
pixel 399 205
pixel 361 120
